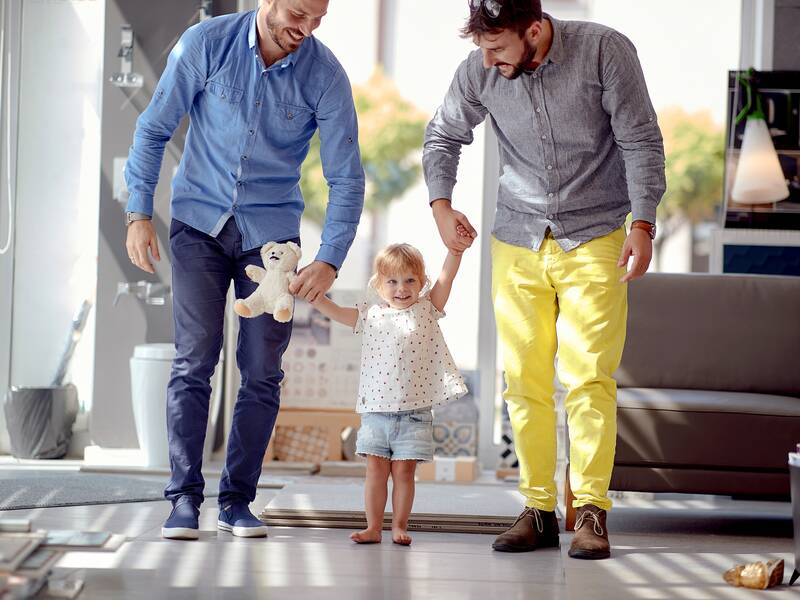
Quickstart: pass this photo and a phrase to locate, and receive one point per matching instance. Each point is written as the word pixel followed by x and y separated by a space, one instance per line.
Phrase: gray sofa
pixel 709 385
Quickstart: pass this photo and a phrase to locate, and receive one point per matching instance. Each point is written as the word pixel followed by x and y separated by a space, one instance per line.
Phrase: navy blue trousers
pixel 202 270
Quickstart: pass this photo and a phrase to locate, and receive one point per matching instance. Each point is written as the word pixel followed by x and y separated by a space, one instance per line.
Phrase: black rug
pixel 21 488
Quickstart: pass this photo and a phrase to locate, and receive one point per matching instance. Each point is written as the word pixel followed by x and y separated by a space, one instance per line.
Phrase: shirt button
pixel 238 184
pixel 244 157
pixel 538 110
pixel 289 116
pixel 258 102
pixel 549 167
pixel 252 132
pixel 550 195
pixel 544 137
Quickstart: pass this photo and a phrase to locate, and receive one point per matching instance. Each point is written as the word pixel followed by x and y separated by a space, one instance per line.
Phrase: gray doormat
pixel 23 488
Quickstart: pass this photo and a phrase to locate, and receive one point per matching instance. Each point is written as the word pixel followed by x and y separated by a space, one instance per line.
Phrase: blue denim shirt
pixel 249 133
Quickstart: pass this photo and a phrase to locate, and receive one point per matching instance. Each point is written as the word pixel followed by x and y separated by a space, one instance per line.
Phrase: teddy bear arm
pixel 255 273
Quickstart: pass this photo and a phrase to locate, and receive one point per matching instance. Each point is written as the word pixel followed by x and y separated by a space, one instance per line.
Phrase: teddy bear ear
pixel 295 248
pixel 266 247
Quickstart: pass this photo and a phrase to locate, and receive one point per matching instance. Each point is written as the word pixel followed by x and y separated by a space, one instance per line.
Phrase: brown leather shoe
pixel 591 536
pixel 533 529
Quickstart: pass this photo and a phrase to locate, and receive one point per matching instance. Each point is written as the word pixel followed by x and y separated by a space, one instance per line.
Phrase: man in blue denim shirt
pixel 256 86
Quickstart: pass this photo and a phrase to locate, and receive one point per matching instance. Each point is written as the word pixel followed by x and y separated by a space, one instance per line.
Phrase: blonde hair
pixel 395 259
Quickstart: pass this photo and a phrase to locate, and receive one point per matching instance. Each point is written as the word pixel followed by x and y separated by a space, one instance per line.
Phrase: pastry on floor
pixel 757 575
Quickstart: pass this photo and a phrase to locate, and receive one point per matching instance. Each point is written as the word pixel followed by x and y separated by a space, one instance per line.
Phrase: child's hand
pixel 462 231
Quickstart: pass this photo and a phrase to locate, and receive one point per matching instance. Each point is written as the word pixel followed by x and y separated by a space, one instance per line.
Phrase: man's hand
pixel 454 227
pixel 638 245
pixel 313 281
pixel 141 236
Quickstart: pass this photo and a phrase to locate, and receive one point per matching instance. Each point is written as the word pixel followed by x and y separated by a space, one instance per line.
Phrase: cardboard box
pixel 449 468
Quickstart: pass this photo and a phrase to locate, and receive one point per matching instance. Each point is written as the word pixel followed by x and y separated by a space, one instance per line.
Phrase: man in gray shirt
pixel 579 148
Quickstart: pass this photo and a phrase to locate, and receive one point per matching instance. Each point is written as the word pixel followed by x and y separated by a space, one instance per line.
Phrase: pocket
pixel 223 92
pixel 176 227
pixel 291 116
pixel 421 416
pixel 291 126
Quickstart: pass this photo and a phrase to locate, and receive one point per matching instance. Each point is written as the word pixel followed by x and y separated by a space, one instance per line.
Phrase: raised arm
pixel 441 289
pixel 329 308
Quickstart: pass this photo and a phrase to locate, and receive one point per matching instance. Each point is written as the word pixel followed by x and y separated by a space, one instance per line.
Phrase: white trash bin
pixel 151 366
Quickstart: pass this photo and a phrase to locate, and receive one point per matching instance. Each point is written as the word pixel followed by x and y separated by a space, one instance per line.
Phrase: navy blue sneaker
pixel 238 519
pixel 182 521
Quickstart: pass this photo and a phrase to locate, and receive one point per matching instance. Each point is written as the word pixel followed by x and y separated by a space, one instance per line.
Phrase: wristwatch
pixel 650 228
pixel 130 217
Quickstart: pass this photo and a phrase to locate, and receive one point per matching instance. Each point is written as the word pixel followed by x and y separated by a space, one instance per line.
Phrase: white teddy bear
pixel 272 294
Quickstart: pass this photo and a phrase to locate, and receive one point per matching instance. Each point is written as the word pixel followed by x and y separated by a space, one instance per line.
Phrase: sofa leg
pixel 569 511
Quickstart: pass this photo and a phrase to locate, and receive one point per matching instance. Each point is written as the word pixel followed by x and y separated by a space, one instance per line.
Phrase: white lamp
pixel 759 178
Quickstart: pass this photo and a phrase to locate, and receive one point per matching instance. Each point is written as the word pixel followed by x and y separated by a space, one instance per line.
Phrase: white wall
pixel 686 47
pixel 57 187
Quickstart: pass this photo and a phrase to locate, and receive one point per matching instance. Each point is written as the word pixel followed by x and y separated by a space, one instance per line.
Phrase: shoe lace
pixel 534 515
pixel 588 514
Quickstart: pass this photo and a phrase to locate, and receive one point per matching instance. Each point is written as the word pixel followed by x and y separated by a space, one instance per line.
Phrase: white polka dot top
pixel 405 363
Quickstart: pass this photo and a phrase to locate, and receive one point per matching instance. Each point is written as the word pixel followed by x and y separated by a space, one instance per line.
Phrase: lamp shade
pixel 759 178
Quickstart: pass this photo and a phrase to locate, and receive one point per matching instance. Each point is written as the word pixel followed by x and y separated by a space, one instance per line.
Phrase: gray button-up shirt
pixel 578 139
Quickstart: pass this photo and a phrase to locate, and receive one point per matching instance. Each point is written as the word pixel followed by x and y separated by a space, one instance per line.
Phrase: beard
pixel 282 36
pixel 527 58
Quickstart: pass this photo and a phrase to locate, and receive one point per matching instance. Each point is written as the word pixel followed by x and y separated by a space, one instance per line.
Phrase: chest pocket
pixel 291 124
pixel 224 93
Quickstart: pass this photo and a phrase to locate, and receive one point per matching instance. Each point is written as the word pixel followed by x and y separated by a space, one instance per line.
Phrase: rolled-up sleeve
pixel 341 166
pixel 183 78
pixel 449 130
pixel 634 124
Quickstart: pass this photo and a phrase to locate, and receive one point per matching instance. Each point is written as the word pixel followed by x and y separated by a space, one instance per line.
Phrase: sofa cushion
pixel 705 429
pixel 737 333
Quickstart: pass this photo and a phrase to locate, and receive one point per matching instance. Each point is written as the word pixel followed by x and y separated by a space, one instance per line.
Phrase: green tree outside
pixel 695 151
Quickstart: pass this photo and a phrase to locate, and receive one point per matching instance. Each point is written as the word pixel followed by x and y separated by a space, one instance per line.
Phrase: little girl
pixel 406 369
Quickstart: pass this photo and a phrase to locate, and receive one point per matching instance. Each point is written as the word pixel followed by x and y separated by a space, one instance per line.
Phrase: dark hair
pixel 518 15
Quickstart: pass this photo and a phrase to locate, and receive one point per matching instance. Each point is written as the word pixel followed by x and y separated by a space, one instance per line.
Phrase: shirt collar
pixel 252 40
pixel 556 52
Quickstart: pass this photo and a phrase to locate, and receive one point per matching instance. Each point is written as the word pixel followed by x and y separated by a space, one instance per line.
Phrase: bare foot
pixel 400 536
pixel 367 536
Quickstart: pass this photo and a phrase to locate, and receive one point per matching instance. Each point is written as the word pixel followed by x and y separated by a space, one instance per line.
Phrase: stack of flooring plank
pixel 437 507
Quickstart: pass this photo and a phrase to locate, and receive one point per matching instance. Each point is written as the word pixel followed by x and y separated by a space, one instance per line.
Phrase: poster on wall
pixel 780 100
pixel 322 362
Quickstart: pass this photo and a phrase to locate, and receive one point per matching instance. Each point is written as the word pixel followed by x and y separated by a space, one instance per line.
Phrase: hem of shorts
pixel 365 454
pixel 393 458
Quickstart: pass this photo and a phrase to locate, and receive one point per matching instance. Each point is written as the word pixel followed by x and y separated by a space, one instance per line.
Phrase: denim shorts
pixel 397 436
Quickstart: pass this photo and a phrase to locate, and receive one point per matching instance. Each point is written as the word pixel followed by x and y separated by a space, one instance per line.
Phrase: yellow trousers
pixel 570 303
